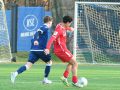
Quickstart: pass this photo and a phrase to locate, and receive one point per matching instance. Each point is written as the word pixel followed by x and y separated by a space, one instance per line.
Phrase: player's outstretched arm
pixel 47 50
pixel 70 29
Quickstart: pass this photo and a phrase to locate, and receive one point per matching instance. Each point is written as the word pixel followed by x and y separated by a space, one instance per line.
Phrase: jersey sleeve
pixel 36 35
pixel 53 38
pixel 39 32
pixel 42 29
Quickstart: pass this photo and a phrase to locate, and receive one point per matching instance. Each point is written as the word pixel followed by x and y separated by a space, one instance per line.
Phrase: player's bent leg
pixel 66 74
pixel 20 70
pixel 27 66
pixel 67 71
pixel 65 57
pixel 74 64
pixel 47 71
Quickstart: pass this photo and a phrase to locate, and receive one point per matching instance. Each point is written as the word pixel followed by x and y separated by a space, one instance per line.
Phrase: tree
pixel 59 9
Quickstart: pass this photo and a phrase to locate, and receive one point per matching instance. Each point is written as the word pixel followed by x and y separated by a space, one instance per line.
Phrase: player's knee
pixel 76 63
pixel 73 62
pixel 49 63
pixel 28 66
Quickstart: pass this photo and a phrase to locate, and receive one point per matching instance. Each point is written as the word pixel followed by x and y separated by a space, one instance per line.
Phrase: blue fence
pixel 8 18
pixel 29 20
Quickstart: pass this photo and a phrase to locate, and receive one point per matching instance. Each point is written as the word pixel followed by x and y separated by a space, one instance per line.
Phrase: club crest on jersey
pixel 36 42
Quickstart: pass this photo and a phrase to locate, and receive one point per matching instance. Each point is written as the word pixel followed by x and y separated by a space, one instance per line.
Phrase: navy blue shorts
pixel 35 55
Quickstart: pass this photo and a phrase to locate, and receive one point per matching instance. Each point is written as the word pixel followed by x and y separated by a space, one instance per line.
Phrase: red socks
pixel 74 79
pixel 66 73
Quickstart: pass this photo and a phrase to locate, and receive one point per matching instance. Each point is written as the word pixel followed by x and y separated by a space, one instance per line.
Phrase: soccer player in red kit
pixel 60 49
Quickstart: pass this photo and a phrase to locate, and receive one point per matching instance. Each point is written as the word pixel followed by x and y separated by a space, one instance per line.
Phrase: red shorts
pixel 65 56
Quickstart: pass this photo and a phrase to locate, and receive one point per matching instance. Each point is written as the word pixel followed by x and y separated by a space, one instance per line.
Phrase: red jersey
pixel 59 38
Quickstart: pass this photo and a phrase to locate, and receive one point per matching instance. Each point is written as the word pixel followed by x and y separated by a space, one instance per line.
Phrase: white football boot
pixel 77 85
pixel 46 81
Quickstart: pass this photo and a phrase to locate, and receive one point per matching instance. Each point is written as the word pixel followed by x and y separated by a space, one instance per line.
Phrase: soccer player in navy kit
pixel 38 44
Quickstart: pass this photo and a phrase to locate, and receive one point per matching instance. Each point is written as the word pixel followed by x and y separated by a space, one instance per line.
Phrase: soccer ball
pixel 83 81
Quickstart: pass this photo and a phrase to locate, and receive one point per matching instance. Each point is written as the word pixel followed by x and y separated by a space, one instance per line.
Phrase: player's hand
pixel 47 51
pixel 72 29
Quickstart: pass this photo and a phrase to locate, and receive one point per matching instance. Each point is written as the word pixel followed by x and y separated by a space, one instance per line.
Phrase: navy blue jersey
pixel 41 36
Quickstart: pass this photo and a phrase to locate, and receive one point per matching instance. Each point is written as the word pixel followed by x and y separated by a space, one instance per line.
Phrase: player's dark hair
pixel 67 19
pixel 47 19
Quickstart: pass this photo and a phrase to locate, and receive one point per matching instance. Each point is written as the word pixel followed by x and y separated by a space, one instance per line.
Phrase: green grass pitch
pixel 100 77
